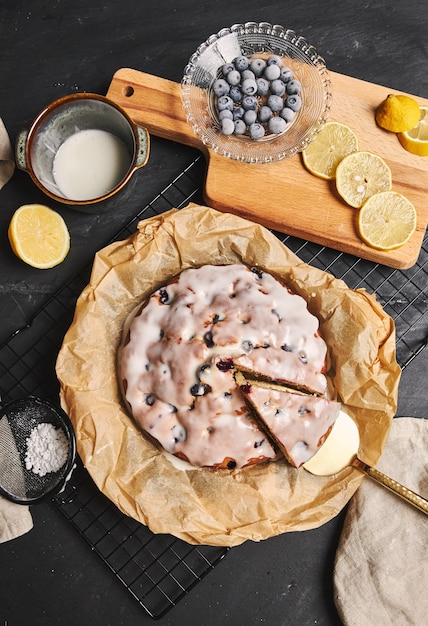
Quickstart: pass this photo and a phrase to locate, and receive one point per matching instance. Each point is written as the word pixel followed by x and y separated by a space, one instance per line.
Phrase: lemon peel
pixel 39 236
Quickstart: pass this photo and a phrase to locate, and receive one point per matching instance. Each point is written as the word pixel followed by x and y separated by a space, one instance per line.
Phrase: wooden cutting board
pixel 283 195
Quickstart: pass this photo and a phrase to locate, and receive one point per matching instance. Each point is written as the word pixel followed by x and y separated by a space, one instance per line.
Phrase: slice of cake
pixel 297 424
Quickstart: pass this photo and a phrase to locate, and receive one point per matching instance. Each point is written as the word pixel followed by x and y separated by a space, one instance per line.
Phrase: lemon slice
pixel 415 140
pixel 330 146
pixel 39 236
pixel 360 175
pixel 387 220
pixel 397 113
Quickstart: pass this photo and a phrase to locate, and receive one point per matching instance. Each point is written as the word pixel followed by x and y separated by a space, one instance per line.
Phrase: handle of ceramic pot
pixel 20 150
pixel 143 147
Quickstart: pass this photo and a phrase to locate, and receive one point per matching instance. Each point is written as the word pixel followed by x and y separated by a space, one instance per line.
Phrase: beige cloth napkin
pixel 381 566
pixel 7 161
pixel 15 520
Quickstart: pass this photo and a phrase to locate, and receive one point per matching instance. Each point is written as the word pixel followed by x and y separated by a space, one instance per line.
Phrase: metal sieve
pixel 21 479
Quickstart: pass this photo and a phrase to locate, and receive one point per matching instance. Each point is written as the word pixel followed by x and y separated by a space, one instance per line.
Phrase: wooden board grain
pixel 283 195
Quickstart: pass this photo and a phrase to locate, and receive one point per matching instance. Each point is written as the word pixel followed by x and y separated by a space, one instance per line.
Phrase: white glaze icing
pixel 193 328
pixel 298 423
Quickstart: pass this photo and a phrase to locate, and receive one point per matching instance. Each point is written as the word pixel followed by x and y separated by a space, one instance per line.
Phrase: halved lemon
pixel 39 236
pixel 330 146
pixel 387 220
pixel 397 113
pixel 416 139
pixel 360 175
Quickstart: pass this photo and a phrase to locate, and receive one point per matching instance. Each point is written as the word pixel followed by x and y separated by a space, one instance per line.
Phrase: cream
pixel 89 164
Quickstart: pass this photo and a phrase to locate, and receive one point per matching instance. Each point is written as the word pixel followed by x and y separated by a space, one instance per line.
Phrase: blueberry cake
pixel 181 347
pixel 297 423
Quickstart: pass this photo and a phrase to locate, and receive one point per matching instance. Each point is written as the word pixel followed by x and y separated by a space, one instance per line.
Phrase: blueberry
pixel 224 114
pixel 262 86
pixel 264 114
pixel 221 87
pixel 287 114
pixel 257 271
pixel 247 345
pixel 163 296
pixel 248 74
pixel 235 93
pixel 272 72
pixel 274 59
pixel 275 103
pixel 294 87
pixel 200 389
pixel 226 68
pixel 241 63
pixel 249 103
pixel 303 356
pixel 208 339
pixel 227 126
pixel 179 433
pixel 224 102
pixel 286 74
pixel 256 131
pixel 238 113
pixel 250 117
pixel 233 77
pixel 294 102
pixel 206 367
pixel 277 87
pixel 240 127
pixel 149 399
pixel 286 347
pixel 303 410
pixel 277 125
pixel 258 66
pixel 249 87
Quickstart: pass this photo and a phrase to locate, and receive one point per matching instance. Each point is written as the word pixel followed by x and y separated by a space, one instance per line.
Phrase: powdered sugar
pixel 47 449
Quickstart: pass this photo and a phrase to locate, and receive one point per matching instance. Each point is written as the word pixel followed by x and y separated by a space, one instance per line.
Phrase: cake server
pixel 340 450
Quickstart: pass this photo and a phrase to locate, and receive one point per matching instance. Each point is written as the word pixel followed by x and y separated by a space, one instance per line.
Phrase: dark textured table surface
pixel 50 49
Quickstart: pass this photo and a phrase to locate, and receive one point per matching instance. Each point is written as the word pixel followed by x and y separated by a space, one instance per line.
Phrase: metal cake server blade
pixel 340 450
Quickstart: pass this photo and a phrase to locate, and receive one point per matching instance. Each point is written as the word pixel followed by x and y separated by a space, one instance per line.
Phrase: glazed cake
pixel 180 349
pixel 298 424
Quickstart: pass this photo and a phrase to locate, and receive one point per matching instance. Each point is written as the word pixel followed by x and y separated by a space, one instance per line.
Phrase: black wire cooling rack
pixel 158 570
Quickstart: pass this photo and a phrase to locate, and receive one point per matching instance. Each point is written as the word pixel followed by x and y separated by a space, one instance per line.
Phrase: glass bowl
pixel 259 39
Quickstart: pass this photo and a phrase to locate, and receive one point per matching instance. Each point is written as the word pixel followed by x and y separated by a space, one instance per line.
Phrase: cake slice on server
pixel 296 423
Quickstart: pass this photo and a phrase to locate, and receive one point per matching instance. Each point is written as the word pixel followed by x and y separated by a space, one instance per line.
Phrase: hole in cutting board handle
pixel 128 91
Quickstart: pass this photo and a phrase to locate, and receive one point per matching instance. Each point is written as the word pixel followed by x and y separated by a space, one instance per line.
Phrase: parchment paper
pixel 205 506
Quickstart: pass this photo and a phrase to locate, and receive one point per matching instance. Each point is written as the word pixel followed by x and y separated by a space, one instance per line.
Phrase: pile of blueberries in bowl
pixel 256 96
pixel 256 92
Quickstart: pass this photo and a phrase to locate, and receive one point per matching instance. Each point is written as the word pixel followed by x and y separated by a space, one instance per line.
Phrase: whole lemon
pixel 398 113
